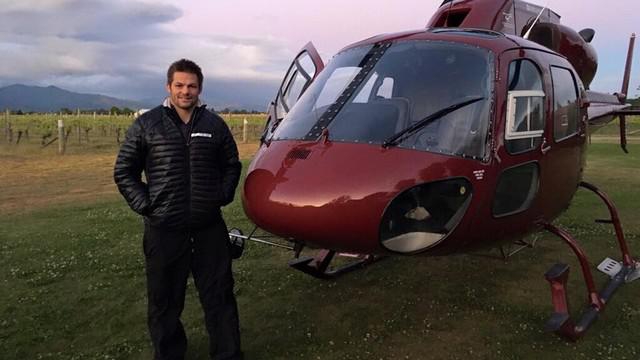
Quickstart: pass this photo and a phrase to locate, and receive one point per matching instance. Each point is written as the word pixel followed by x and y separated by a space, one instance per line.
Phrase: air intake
pixel 300 154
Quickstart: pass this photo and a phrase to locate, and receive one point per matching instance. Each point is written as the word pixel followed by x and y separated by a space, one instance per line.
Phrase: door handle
pixel 545 148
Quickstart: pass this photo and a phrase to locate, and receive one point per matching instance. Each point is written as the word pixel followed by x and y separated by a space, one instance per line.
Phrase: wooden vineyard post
pixel 7 127
pixel 61 137
pixel 244 131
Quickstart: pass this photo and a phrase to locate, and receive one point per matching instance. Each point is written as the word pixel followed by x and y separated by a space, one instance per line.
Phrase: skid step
pixel 610 267
pixel 318 266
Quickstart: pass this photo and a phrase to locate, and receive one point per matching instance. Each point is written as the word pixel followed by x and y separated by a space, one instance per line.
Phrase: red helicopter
pixel 470 133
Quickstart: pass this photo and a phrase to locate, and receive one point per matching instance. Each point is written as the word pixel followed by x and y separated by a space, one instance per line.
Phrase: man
pixel 191 167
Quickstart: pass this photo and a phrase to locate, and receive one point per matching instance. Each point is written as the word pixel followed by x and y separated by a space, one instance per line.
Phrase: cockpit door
pixel 303 70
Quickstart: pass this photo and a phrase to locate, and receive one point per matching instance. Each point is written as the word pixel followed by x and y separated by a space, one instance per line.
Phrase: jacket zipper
pixel 187 160
pixel 188 163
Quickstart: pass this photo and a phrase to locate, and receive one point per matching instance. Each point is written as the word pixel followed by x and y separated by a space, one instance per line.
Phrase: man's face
pixel 184 90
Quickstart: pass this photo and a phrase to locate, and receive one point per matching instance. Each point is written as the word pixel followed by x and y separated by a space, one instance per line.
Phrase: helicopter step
pixel 621 272
pixel 612 267
pixel 318 266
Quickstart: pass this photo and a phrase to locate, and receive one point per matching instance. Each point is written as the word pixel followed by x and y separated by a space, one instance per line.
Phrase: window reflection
pixel 565 103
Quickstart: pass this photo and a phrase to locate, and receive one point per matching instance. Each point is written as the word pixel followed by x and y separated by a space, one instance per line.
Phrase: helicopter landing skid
pixel 318 266
pixel 625 271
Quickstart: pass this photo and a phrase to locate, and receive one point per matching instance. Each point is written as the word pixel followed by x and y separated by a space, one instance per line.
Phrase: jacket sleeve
pixel 127 172
pixel 231 167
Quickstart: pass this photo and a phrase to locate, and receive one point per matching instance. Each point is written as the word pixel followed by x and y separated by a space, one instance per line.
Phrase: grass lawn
pixel 72 282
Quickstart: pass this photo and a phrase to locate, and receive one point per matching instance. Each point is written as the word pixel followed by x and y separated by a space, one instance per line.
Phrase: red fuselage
pixel 336 194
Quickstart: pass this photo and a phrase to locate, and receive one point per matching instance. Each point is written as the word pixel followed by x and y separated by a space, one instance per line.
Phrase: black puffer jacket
pixel 187 181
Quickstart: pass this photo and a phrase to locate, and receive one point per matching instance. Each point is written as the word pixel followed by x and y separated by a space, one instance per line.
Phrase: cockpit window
pixel 447 84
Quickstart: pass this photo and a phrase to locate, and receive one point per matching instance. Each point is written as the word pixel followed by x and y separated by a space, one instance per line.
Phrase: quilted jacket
pixel 187 178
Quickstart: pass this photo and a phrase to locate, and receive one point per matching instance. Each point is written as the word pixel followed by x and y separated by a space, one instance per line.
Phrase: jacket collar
pixel 167 103
pixel 170 110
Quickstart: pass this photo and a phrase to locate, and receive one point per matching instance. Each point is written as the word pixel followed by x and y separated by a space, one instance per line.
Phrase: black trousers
pixel 170 257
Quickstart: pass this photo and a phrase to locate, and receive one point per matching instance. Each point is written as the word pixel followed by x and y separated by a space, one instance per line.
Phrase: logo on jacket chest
pixel 201 134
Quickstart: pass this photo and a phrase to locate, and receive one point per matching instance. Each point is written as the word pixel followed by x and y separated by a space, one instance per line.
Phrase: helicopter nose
pixel 355 197
pixel 317 203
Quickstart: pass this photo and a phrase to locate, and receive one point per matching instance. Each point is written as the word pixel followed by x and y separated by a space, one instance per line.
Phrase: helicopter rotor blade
pixel 624 91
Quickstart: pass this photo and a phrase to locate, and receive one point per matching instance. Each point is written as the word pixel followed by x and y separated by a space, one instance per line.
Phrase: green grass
pixel 72 285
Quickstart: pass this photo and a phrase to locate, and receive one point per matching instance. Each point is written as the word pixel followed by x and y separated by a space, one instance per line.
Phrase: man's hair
pixel 184 65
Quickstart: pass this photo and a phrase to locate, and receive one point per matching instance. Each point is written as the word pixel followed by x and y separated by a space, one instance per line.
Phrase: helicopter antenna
pixel 526 36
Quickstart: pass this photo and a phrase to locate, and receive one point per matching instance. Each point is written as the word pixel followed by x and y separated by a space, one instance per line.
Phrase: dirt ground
pixel 32 181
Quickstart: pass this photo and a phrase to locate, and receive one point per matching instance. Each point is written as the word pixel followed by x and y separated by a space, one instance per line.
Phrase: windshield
pixel 383 93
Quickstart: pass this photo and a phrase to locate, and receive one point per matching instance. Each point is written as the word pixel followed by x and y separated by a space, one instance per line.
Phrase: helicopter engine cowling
pixel 566 41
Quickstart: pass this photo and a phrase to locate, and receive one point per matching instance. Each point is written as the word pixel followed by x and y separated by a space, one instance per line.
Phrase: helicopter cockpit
pixel 430 96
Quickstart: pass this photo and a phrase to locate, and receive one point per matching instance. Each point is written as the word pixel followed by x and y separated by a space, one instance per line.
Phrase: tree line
pixel 114 110
pixel 238 111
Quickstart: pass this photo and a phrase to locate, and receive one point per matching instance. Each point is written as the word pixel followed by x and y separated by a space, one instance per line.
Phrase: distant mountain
pixel 52 98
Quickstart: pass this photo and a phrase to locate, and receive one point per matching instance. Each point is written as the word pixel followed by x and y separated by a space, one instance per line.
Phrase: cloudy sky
pixel 123 47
